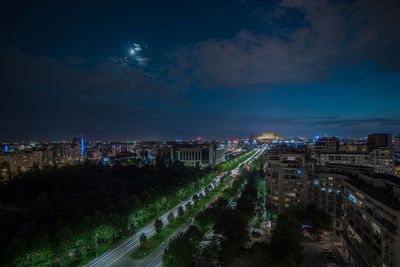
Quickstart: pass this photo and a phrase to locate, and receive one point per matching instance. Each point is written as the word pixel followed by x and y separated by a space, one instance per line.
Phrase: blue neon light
pixel 337 192
pixel 270 179
pixel 316 182
pixel 298 171
pixel 323 188
pixel 82 148
pixel 329 190
pixel 352 198
pixel 5 148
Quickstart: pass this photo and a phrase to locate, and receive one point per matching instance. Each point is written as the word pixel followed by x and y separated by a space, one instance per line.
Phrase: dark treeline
pixel 75 208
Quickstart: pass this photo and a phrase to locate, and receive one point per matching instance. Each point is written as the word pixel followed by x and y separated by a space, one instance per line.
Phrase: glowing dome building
pixel 268 138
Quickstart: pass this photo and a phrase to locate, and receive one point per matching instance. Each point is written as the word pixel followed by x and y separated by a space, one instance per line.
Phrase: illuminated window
pixel 352 198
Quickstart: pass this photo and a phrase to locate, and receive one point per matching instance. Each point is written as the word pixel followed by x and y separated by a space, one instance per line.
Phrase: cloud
pixel 50 75
pixel 330 34
pixel 44 96
pixel 75 61
pixel 372 123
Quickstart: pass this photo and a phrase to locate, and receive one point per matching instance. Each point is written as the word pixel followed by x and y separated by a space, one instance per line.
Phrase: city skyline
pixel 218 70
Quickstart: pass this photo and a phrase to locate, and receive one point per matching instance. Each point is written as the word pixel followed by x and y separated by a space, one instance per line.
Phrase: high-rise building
pixel 372 220
pixel 397 143
pixel 366 211
pixel 381 159
pixel 379 141
pixel 288 173
pixel 327 145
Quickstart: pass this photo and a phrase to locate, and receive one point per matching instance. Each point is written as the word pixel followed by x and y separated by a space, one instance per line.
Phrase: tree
pixel 195 198
pixel 143 240
pixel 179 252
pixel 180 211
pixel 285 241
pixel 171 217
pixel 206 190
pixel 158 225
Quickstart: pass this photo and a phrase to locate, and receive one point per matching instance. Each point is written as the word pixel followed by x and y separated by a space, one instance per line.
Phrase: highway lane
pixel 133 242
pixel 155 259
pixel 116 253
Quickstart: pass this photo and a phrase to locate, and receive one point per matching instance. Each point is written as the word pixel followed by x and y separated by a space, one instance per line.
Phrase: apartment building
pixel 287 177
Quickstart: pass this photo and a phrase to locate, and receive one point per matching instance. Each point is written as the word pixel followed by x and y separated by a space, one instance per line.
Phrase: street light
pixel 95 239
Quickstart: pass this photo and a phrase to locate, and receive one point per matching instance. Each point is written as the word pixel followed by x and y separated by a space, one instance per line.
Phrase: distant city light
pixel 6 148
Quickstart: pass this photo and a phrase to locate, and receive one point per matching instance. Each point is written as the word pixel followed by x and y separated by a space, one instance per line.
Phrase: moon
pixel 132 51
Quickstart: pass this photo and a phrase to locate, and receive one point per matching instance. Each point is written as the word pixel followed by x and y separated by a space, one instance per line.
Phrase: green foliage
pixel 180 250
pixel 110 201
pixel 180 211
pixel 285 241
pixel 143 239
pixel 230 165
pixel 105 233
pixel 311 215
pixel 195 198
pixel 171 217
pixel 158 225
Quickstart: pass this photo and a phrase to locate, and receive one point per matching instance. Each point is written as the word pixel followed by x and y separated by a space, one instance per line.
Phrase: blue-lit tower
pixel 82 146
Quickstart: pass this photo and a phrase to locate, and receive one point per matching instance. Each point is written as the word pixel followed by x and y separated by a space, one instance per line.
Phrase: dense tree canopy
pixel 75 204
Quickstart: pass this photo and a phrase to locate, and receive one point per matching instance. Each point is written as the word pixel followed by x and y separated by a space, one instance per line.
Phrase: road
pixel 312 250
pixel 115 256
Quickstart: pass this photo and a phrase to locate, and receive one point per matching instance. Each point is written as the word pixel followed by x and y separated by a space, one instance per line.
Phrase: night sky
pixel 180 69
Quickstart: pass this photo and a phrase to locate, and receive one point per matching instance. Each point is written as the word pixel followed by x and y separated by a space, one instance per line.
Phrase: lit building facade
pixel 202 155
pixel 287 176
pixel 268 138
pixel 381 159
pixel 372 220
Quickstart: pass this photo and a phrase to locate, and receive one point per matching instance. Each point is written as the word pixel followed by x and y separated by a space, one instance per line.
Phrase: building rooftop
pixel 383 195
